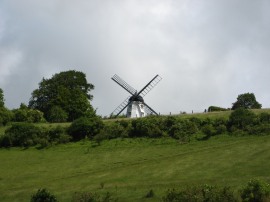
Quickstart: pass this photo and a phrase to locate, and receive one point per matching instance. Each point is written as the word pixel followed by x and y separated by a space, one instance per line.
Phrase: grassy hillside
pixel 129 168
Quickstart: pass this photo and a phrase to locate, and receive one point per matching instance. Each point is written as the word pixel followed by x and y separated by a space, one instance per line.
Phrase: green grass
pixel 129 168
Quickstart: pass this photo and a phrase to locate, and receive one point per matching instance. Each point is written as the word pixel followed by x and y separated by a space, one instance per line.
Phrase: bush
pixel 92 197
pixel 113 130
pixel 242 118
pixel 256 191
pixel 42 195
pixel 24 114
pixel 183 130
pixel 24 134
pixel 214 109
pixel 85 127
pixel 146 127
pixel 264 117
pixel 204 193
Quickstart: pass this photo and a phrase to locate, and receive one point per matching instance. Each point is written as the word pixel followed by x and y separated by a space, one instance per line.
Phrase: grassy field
pixel 129 168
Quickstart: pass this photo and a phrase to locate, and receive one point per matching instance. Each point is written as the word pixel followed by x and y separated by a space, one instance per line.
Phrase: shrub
pixel 85 127
pixel 256 191
pixel 92 197
pixel 112 130
pixel 183 130
pixel 24 114
pixel 242 118
pixel 43 195
pixel 150 194
pixel 204 193
pixel 24 134
pixel 215 108
pixel 264 117
pixel 146 127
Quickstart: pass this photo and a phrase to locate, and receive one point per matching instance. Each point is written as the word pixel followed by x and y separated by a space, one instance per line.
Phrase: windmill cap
pixel 136 98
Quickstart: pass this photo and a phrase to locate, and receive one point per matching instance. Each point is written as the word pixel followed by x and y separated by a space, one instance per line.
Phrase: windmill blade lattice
pixel 148 87
pixel 124 84
pixel 121 107
pixel 149 110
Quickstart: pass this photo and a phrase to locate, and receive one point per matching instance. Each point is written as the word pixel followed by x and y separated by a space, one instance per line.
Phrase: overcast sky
pixel 207 52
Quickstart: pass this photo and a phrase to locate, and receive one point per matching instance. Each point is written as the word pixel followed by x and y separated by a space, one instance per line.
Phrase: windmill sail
pixel 149 110
pixel 148 87
pixel 124 84
pixel 121 107
pixel 136 107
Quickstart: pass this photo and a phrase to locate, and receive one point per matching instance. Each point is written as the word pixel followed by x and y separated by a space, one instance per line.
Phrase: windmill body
pixel 135 104
pixel 136 107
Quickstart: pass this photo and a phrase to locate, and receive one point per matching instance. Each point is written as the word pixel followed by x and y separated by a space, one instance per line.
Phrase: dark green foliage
pixel 58 135
pixel 114 130
pixel 25 114
pixel 214 127
pixel 264 117
pixel 85 127
pixel 256 191
pixel 242 119
pixel 216 109
pixel 24 134
pixel 68 90
pixel 5 116
pixel 183 130
pixel 146 127
pixel 43 195
pixel 204 193
pixel 247 101
pixel 92 197
pixel 57 115
pixel 2 100
pixel 150 194
pixel 27 134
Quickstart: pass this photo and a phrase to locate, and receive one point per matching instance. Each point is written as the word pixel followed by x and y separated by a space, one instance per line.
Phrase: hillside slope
pixel 129 168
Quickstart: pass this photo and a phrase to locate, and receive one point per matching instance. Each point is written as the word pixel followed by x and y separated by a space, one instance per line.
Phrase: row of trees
pixel 240 122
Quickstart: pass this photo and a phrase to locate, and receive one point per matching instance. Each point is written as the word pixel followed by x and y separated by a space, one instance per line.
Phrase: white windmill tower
pixel 136 107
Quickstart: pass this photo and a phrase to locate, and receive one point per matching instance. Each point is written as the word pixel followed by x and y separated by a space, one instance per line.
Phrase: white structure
pixel 136 109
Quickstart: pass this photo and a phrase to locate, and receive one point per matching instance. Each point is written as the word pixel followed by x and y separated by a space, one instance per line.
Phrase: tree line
pixel 240 122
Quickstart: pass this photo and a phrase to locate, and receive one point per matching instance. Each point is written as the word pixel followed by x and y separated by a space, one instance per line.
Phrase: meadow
pixel 129 168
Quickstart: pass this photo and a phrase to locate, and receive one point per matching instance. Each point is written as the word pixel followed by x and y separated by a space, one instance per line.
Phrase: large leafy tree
pixel 247 101
pixel 68 91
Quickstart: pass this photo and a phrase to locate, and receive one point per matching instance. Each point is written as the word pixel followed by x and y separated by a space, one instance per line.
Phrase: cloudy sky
pixel 207 52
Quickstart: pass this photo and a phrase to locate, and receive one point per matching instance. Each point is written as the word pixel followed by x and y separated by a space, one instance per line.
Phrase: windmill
pixel 136 107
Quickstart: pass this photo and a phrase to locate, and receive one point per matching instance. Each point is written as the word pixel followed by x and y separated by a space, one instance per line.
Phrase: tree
pixel 2 100
pixel 57 115
pixel 5 114
pixel 246 100
pixel 69 90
